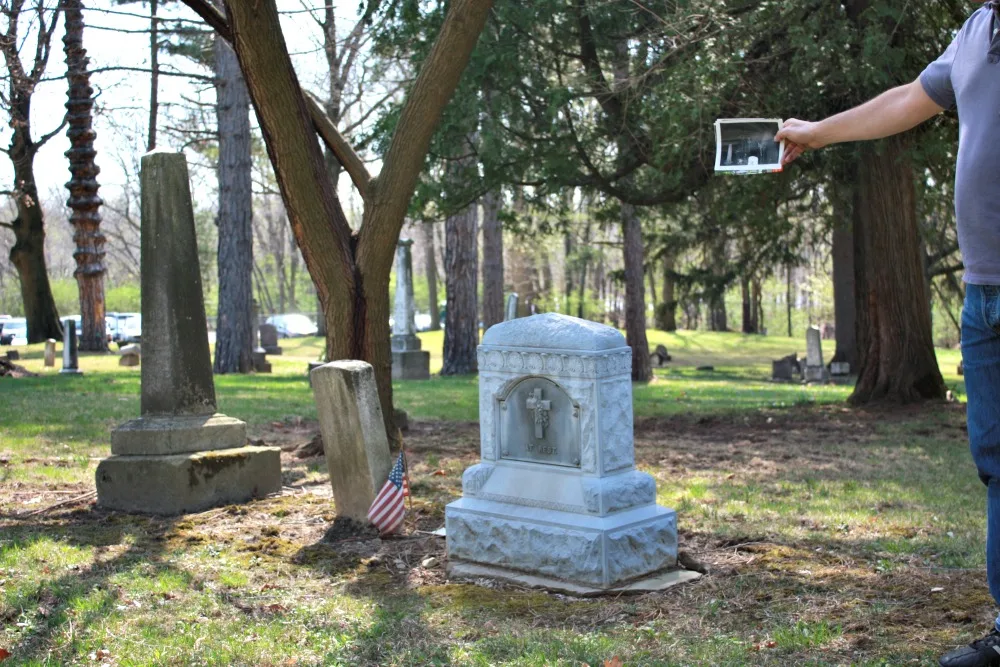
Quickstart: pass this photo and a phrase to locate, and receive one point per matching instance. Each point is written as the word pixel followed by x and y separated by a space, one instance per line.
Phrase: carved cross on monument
pixel 541 409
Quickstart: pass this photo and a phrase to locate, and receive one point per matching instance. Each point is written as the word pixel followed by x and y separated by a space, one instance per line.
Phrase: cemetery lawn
pixel 832 535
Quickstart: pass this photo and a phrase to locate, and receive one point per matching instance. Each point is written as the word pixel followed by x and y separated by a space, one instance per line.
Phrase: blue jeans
pixel 981 361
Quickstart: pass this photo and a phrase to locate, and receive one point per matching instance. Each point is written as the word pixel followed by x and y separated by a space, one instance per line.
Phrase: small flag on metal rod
pixel 386 513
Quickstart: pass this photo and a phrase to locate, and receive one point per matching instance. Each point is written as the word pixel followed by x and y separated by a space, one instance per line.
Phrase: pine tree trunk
pixel 430 269
pixel 895 348
pixel 461 331
pixel 235 326
pixel 844 307
pixel 788 297
pixel 635 301
pixel 492 261
pixel 748 309
pixel 668 321
pixel 83 199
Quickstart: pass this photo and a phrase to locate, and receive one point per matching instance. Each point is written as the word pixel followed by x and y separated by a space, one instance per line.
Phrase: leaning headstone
pixel 269 339
pixel 814 371
pixel 409 362
pixel 510 309
pixel 131 355
pixel 70 364
pixel 354 439
pixel 556 501
pixel 50 353
pixel 180 455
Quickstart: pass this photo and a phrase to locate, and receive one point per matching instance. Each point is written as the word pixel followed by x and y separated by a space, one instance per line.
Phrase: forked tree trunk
pixel 492 261
pixel 635 301
pixel 350 271
pixel 83 200
pixel 461 329
pixel 895 348
pixel 235 334
pixel 844 306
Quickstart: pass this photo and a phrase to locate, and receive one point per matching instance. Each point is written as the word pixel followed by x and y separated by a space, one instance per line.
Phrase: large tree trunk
pixel 431 271
pixel 668 305
pixel 28 252
pixel 461 329
pixel 749 326
pixel 844 306
pixel 83 199
pixel 635 301
pixel 895 348
pixel 351 272
pixel 235 326
pixel 492 261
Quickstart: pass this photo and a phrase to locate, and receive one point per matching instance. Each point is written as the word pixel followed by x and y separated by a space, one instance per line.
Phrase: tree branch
pixel 338 145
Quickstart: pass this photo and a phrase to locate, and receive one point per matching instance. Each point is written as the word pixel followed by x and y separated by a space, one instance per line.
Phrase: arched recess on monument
pixel 539 422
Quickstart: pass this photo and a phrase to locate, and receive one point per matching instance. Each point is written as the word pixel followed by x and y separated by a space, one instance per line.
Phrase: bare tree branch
pixel 344 152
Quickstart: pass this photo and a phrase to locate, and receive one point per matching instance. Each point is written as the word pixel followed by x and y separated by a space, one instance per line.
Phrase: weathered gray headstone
pixel 510 309
pixel 70 364
pixel 180 455
pixel 50 353
pixel 556 500
pixel 785 368
pixel 814 371
pixel 840 368
pixel 354 439
pixel 269 339
pixel 409 362
pixel 259 360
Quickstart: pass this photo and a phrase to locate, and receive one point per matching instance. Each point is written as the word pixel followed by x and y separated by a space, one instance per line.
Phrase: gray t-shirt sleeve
pixel 936 78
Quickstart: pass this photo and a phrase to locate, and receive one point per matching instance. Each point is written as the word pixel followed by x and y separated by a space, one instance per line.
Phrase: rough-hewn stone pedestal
pixel 409 362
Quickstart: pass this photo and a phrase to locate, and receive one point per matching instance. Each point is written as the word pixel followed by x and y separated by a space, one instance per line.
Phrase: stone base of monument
pixel 411 365
pixel 274 350
pixel 70 371
pixel 569 551
pixel 177 434
pixel 657 582
pixel 192 482
pixel 815 374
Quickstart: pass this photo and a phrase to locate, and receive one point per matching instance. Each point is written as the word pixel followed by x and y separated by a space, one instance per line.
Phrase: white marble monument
pixel 409 362
pixel 556 500
pixel 814 371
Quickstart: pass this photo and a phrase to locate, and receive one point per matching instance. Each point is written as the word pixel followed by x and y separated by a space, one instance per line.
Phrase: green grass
pixel 827 529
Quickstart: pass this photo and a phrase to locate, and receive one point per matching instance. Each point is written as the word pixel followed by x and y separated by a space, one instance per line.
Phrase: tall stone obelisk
pixel 181 455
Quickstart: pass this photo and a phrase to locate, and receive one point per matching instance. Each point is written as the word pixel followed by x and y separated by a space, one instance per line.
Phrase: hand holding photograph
pixel 747 145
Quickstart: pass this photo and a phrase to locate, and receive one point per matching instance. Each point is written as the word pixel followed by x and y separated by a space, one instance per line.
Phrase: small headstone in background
pixel 180 455
pixel 269 339
pixel 130 355
pixel 510 308
pixel 840 368
pixel 815 371
pixel 13 355
pixel 70 361
pixel 409 362
pixel 961 368
pixel 660 356
pixel 259 360
pixel 50 352
pixel 354 439
pixel 785 368
pixel 401 419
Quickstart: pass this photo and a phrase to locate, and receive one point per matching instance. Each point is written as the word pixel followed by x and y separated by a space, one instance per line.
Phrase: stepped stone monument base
pixel 409 362
pixel 181 483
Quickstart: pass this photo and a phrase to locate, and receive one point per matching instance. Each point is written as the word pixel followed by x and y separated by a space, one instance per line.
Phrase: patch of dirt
pixel 12 370
pixel 345 528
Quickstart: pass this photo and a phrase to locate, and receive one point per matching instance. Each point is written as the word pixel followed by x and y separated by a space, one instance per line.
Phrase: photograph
pixel 747 145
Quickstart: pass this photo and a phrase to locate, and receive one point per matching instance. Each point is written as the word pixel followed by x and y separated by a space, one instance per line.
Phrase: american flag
pixel 386 513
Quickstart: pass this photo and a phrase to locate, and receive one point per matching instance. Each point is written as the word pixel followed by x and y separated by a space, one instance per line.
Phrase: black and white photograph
pixel 747 145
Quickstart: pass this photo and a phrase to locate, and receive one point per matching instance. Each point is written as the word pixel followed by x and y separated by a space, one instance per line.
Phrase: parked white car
pixel 293 325
pixel 17 329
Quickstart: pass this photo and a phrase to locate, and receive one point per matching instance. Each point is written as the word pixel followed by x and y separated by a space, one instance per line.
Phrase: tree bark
pixel 788 297
pixel 431 271
pixel 844 307
pixel 492 261
pixel 83 199
pixel 635 301
pixel 351 272
pixel 235 326
pixel 461 330
pixel 748 307
pixel 668 319
pixel 895 348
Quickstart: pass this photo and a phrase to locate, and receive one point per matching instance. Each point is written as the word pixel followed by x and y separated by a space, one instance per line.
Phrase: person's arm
pixel 892 112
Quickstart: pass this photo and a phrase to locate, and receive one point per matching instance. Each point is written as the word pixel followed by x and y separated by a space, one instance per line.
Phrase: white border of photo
pixel 746 168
